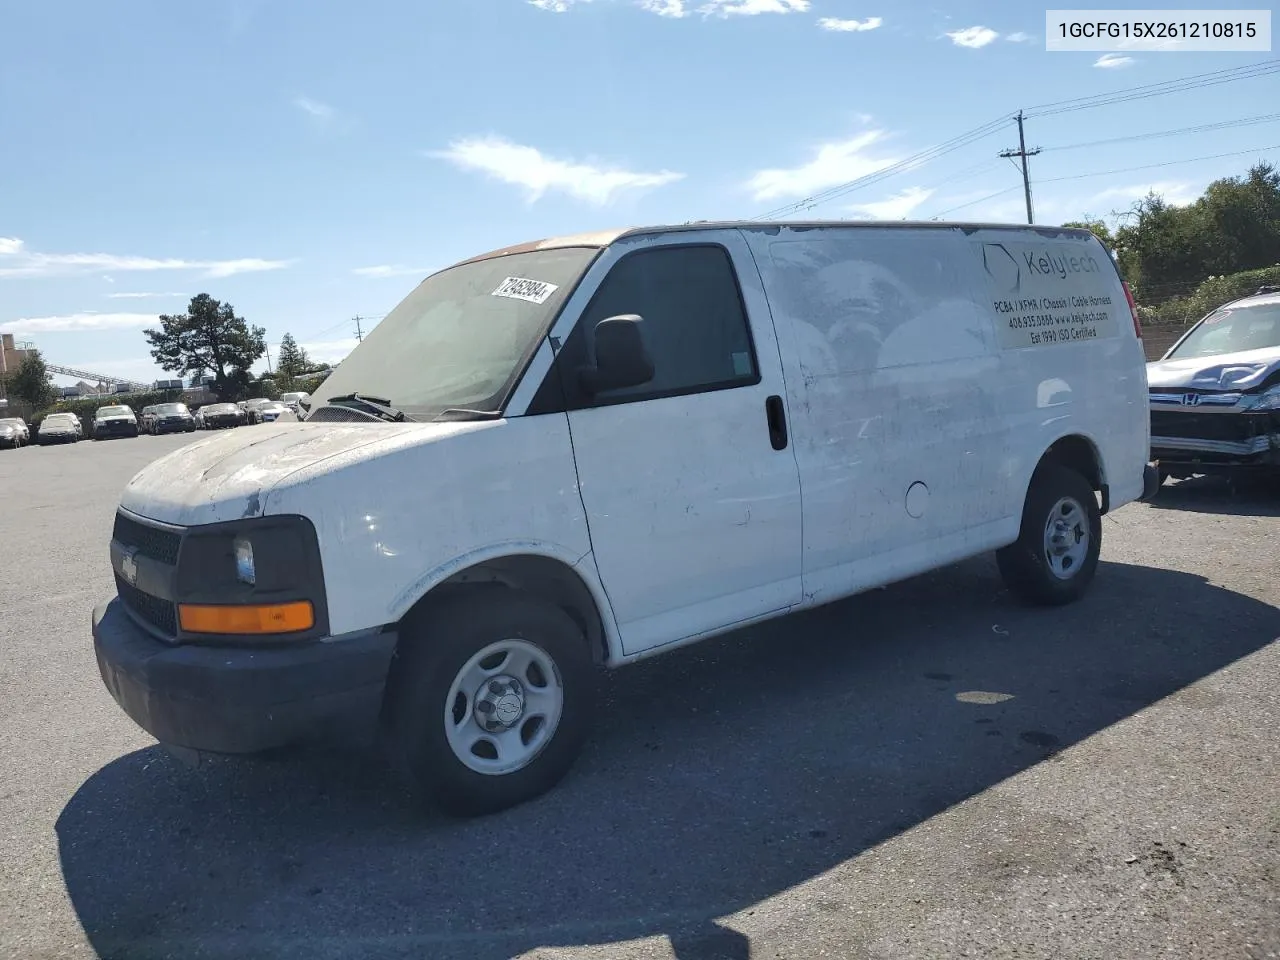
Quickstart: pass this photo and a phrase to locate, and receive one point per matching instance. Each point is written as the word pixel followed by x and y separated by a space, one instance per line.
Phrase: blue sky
pixel 309 162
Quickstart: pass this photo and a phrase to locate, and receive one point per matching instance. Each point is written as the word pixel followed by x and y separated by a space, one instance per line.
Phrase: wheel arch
pixel 1080 453
pixel 535 569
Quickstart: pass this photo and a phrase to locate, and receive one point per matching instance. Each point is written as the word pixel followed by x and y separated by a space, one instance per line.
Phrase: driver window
pixel 694 322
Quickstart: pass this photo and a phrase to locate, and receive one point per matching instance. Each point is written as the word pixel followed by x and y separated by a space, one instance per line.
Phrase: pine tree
pixel 292 359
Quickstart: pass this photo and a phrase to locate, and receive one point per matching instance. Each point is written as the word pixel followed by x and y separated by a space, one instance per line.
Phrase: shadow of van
pixel 720 775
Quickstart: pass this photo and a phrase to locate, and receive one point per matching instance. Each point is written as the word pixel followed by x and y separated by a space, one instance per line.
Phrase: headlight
pixel 1269 400
pixel 245 572
pixel 251 579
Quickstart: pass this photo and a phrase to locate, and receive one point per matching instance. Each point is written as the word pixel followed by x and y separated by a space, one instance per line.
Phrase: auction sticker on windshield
pixel 1049 294
pixel 518 288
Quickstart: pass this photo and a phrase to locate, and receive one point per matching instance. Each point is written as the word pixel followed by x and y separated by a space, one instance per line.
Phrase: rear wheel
pixel 1055 557
pixel 490 700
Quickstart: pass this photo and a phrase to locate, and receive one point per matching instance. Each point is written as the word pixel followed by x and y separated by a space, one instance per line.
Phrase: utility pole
pixel 359 332
pixel 268 349
pixel 1023 153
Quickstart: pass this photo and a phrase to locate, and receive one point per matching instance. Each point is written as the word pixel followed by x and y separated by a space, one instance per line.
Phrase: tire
pixel 438 650
pixel 1051 575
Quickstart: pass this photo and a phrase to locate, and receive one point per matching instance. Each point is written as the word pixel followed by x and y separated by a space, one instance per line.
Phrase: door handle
pixel 776 415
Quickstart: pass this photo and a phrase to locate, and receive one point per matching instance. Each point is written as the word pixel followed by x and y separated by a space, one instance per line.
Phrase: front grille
pixel 1232 428
pixel 159 613
pixel 153 542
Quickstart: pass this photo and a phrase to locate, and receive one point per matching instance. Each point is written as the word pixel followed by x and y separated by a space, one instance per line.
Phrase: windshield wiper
pixel 376 405
pixel 464 413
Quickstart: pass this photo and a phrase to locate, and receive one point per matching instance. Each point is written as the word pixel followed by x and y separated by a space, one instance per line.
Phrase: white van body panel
pixel 399 516
pixel 920 393
pixel 695 519
pixel 918 419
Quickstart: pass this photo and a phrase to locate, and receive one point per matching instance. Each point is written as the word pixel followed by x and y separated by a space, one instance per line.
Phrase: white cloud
pixel 1113 61
pixel 539 173
pixel 834 25
pixel 973 37
pixel 665 8
pixel 1019 37
pixel 897 207
pixel 142 296
pixel 676 9
pixel 383 270
pixel 17 261
pixel 1176 193
pixel 83 321
pixel 314 108
pixel 330 351
pixel 751 8
pixel 832 163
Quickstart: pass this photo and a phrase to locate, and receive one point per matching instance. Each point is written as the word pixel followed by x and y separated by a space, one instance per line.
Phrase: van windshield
pixel 1233 330
pixel 461 338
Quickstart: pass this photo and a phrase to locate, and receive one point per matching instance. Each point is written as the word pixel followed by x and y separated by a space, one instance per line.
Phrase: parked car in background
pixel 1215 395
pixel 59 428
pixel 172 418
pixel 14 432
pixel 273 410
pixel 219 416
pixel 251 408
pixel 115 421
pixel 296 401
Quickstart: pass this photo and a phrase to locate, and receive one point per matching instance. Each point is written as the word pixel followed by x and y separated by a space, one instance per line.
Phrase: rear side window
pixel 694 321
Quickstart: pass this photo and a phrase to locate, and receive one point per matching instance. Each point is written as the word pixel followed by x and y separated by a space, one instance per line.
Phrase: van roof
pixel 602 238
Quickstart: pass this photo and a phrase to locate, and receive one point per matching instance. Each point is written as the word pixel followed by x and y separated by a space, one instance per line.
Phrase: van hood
pixel 227 476
pixel 1226 371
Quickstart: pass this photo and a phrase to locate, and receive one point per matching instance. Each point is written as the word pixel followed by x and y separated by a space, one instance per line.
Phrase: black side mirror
pixel 620 359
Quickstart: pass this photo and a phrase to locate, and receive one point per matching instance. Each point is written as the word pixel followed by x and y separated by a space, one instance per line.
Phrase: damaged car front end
pixel 1215 396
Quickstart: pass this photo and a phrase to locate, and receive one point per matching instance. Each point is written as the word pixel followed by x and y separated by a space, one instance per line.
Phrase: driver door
pixel 692 494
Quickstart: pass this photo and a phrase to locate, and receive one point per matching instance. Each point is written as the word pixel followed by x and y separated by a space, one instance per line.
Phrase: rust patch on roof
pixel 599 238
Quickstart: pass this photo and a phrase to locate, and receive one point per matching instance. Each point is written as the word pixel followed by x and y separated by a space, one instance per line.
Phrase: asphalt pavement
pixel 925 771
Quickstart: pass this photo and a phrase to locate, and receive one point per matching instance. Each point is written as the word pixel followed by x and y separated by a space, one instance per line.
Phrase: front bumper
pixel 173 426
pixel 122 429
pixel 1215 442
pixel 59 437
pixel 242 700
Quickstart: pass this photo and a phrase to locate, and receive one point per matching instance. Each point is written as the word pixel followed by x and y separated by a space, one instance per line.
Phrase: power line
pixel 911 162
pixel 1196 81
pixel 1103 173
pixel 990 196
pixel 1202 128
pixel 1152 166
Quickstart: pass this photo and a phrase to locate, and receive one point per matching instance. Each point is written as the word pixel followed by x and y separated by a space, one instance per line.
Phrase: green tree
pixel 32 382
pixel 1098 228
pixel 292 359
pixel 208 339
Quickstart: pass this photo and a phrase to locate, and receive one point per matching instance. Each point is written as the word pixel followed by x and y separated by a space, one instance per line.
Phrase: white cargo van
pixel 579 452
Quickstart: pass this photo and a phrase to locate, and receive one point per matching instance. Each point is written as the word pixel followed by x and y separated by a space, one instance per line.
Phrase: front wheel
pixel 1055 557
pixel 490 700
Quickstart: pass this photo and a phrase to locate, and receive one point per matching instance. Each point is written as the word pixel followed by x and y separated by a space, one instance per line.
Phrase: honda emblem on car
pixel 129 569
pixel 1191 399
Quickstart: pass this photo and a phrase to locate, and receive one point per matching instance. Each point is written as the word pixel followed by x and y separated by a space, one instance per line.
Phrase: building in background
pixel 11 356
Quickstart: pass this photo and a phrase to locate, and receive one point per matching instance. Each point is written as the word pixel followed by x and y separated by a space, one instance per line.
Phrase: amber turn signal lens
pixel 274 618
